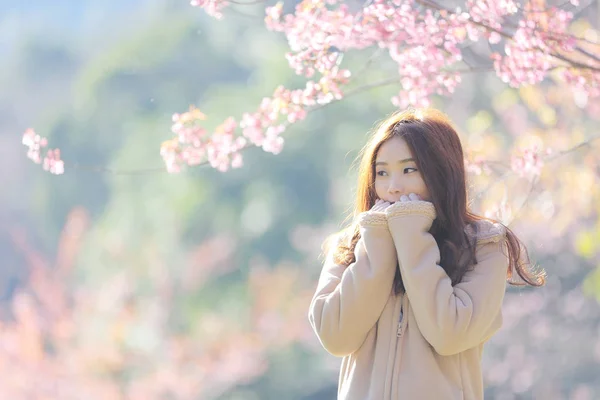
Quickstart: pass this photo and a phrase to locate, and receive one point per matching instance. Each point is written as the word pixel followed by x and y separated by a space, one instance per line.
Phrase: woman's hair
pixel 438 153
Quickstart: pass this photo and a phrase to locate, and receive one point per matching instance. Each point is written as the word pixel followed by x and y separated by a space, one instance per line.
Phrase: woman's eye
pixel 381 173
pixel 405 169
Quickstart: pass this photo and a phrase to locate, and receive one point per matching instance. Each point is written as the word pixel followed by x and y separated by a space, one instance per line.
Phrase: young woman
pixel 413 288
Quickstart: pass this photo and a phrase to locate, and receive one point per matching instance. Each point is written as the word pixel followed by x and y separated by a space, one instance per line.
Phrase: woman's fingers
pixel 414 197
pixel 382 205
pixel 377 205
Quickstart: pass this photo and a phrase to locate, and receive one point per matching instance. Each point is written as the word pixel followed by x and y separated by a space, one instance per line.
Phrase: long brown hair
pixel 438 153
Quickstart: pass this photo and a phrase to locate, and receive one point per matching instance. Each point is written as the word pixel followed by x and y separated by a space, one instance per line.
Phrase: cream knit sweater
pixel 427 343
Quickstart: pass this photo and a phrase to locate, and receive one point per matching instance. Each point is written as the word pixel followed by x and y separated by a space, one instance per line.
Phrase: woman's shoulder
pixel 486 231
pixel 489 238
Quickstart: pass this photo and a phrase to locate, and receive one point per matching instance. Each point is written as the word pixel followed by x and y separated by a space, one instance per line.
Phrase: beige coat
pixel 426 344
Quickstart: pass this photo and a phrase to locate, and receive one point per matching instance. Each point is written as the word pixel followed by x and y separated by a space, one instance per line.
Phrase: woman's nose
pixel 395 187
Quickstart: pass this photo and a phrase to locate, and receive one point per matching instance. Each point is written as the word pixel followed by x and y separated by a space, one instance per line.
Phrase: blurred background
pixel 120 281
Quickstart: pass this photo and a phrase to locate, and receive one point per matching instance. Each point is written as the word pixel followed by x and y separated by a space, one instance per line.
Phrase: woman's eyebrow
pixel 399 162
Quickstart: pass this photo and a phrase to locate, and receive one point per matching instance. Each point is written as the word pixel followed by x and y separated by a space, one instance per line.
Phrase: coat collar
pixel 486 231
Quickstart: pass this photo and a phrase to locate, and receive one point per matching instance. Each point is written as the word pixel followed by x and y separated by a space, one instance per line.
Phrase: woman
pixel 413 288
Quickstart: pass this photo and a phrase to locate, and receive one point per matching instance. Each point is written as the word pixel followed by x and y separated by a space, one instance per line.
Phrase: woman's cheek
pixel 379 189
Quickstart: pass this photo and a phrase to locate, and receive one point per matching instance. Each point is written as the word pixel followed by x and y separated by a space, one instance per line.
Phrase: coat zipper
pixel 399 331
pixel 391 361
pixel 398 336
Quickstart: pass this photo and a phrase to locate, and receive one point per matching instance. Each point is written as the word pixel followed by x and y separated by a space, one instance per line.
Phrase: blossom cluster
pixel 193 144
pixel 425 39
pixel 530 162
pixel 37 152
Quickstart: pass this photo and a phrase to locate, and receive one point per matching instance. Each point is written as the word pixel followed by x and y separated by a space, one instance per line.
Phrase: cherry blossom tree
pixel 68 340
pixel 548 54
pixel 431 45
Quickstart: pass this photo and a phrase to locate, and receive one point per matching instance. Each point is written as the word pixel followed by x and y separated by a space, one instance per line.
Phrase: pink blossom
pixel 490 12
pixel 318 31
pixel 35 143
pixel 50 160
pixel 213 8
pixel 477 166
pixel 193 145
pixel 273 145
pixel 425 41
pixel 53 163
pixel 273 18
pixel 529 54
pixel 587 83
pixel 529 164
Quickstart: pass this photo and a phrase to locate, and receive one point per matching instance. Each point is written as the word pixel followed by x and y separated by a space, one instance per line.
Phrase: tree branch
pixel 532 186
pixel 547 159
pixel 426 3
pixel 585 143
pixel 587 53
pixel 152 170
pixel 435 6
pixel 246 3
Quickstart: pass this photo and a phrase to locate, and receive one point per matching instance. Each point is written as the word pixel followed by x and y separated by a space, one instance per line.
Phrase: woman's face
pixel 396 172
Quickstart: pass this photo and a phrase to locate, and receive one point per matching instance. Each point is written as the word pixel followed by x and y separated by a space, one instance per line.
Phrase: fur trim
pixel 372 218
pixel 487 232
pixel 411 207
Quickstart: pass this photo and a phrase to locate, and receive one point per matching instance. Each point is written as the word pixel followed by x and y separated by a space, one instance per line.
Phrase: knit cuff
pixel 401 208
pixel 372 218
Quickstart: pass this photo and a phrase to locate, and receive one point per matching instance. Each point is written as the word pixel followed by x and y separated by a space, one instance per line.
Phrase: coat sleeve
pixel 349 300
pixel 451 318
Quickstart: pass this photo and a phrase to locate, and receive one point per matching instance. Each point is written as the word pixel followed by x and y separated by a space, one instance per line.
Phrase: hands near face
pixel 410 197
pixel 382 205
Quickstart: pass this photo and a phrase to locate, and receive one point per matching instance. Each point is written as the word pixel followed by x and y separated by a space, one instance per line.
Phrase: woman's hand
pixel 380 205
pixel 410 197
